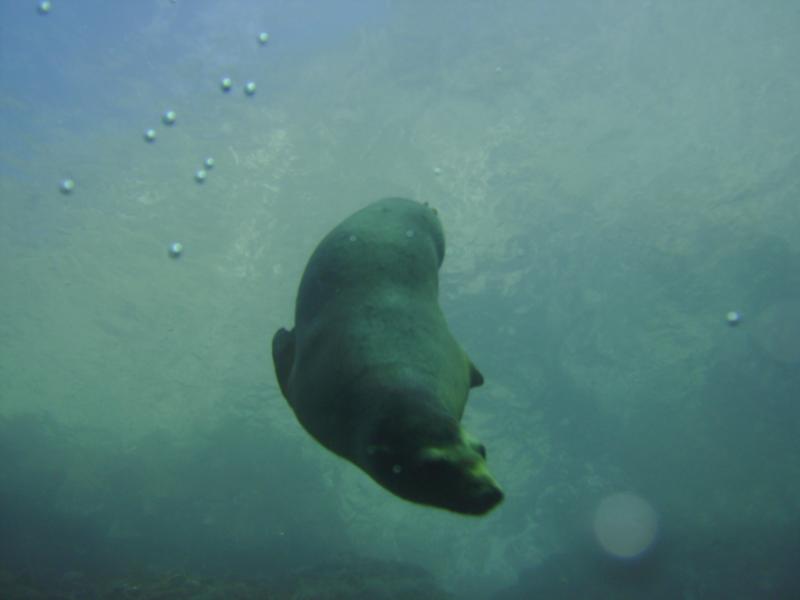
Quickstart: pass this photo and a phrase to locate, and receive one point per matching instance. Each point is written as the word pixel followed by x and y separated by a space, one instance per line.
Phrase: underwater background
pixel 619 183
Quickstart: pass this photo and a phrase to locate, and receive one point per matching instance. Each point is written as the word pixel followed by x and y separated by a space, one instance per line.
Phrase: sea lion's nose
pixel 489 496
pixel 494 497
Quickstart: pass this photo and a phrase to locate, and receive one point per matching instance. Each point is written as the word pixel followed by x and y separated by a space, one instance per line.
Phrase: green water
pixel 612 177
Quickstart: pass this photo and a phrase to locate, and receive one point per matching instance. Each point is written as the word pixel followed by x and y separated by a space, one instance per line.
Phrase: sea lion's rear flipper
pixel 475 377
pixel 283 357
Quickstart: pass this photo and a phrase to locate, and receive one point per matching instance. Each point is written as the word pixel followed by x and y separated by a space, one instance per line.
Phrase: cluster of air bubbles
pixel 169 118
pixel 202 173
pixel 226 85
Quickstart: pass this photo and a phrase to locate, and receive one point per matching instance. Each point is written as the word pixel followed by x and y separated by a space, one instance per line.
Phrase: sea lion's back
pixel 391 244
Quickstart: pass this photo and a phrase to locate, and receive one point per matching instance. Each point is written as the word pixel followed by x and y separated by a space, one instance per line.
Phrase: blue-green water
pixel 613 178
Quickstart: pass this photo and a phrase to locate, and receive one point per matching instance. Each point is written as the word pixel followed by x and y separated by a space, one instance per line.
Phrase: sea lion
pixel 371 369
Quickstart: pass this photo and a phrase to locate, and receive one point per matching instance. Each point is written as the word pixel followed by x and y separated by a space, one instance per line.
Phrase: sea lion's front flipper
pixel 475 377
pixel 283 357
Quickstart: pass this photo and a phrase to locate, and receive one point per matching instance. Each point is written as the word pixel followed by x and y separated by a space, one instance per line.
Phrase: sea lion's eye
pixel 397 469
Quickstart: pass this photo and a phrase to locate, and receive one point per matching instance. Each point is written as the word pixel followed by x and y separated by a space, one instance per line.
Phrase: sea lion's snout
pixel 458 479
pixel 484 493
pixel 486 499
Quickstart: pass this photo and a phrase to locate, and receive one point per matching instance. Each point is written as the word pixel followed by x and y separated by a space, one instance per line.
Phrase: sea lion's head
pixel 425 457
